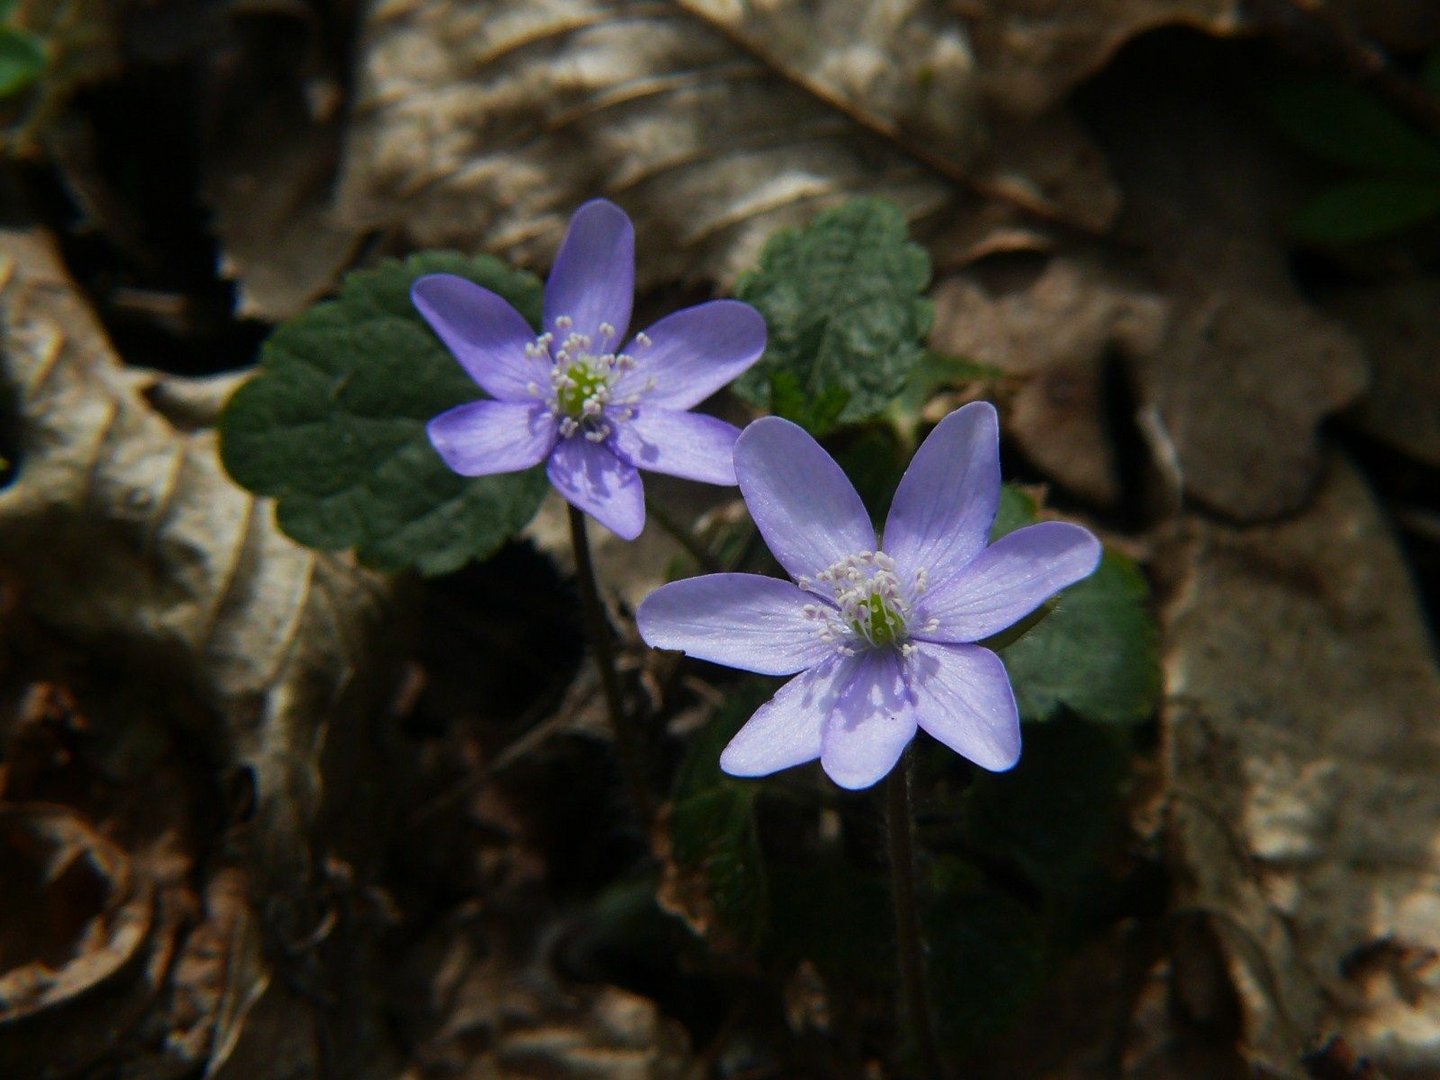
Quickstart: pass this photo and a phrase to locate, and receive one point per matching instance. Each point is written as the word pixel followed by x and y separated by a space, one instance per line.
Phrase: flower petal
pixel 693 353
pixel 942 512
pixel 691 445
pixel 963 698
pixel 593 279
pixel 786 730
pixel 743 621
pixel 1007 581
pixel 593 479
pixel 485 333
pixel 803 505
pixel 871 724
pixel 484 437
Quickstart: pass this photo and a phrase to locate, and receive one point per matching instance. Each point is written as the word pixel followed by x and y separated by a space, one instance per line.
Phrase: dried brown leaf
pixel 713 123
pixel 1399 322
pixel 1056 332
pixel 128 537
pixel 1302 694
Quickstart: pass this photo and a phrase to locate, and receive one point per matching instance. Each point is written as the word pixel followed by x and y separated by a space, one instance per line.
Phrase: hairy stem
pixel 597 629
pixel 683 536
pixel 909 946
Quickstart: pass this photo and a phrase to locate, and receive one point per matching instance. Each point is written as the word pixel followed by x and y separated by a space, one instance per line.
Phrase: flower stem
pixel 683 536
pixel 598 630
pixel 909 947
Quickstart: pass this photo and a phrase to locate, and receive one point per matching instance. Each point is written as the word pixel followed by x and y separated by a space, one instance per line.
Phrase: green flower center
pixel 879 623
pixel 580 386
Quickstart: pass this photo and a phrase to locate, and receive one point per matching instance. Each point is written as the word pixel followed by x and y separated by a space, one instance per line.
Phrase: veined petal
pixel 691 445
pixel 485 437
pixel 802 503
pixel 786 730
pixel 947 499
pixel 484 332
pixel 743 621
pixel 687 356
pixel 593 279
pixel 963 698
pixel 594 480
pixel 871 724
pixel 1007 581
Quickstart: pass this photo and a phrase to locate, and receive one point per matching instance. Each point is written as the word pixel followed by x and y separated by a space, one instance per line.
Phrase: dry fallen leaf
pixel 1399 323
pixel 714 124
pixel 1301 701
pixel 1057 333
pixel 128 538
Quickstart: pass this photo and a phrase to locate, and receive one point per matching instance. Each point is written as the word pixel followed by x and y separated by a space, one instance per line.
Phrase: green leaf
pixel 720 880
pixel 1097 652
pixel 1053 815
pixel 22 60
pixel 1430 76
pixel 815 414
pixel 333 426
pixel 1365 210
pixel 844 306
pixel 936 372
pixel 987 959
pixel 1347 126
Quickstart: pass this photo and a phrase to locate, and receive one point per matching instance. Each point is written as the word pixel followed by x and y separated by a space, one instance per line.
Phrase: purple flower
pixel 598 411
pixel 881 634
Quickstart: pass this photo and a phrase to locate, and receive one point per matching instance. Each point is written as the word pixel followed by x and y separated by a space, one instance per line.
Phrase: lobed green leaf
pixel 1359 210
pixel 332 426
pixel 847 319
pixel 1097 652
pixel 1347 126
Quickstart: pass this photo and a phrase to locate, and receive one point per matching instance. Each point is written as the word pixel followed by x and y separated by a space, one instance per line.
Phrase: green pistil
pixel 886 627
pixel 584 382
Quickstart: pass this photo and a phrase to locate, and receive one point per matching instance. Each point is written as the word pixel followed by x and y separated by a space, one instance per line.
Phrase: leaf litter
pixel 1296 800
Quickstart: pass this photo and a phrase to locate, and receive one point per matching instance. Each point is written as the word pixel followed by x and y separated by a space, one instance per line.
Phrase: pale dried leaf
pixel 1032 53
pixel 1302 749
pixel 483 131
pixel 1055 332
pixel 1249 367
pixel 498 1017
pixel 1399 323
pixel 129 537
pixel 81 930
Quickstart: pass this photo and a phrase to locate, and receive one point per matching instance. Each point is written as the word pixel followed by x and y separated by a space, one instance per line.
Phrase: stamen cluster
pixel 869 606
pixel 583 373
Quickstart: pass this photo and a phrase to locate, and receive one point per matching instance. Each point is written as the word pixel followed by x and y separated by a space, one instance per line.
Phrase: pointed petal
pixel 743 621
pixel 803 505
pixel 786 730
pixel 693 353
pixel 691 445
pixel 963 698
pixel 1007 581
pixel 946 502
pixel 593 279
pixel 485 333
pixel 485 437
pixel 871 724
pixel 593 479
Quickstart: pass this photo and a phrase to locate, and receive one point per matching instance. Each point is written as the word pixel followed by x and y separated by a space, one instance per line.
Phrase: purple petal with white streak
pixel 941 515
pixel 802 503
pixel 1007 581
pixel 787 729
pixel 484 332
pixel 963 698
pixel 740 620
pixel 594 480
pixel 691 445
pixel 485 437
pixel 693 353
pixel 593 279
pixel 871 724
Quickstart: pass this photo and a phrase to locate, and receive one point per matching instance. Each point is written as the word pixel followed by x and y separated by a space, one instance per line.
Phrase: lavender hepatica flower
pixel 596 406
pixel 882 635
